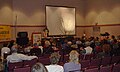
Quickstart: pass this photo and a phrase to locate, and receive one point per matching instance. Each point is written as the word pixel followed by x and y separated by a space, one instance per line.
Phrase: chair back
pixel 85 64
pixel 95 63
pixel 106 69
pixel 45 61
pixel 116 68
pixel 25 69
pixel 66 59
pixel 88 56
pixel 35 51
pixel 115 59
pixel 12 66
pixel 29 63
pixel 105 61
pixel 92 70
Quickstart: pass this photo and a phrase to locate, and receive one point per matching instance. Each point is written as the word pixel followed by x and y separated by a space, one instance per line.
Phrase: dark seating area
pixel 101 61
pixel 91 65
pixel 103 64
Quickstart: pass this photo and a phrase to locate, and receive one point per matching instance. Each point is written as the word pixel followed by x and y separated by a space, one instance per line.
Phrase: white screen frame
pixel 60 20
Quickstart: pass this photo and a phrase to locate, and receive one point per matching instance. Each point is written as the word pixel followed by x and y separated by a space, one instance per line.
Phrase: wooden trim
pixel 100 25
pixel 5 41
pixel 23 25
pixel 110 25
pixel 29 26
pixel 45 25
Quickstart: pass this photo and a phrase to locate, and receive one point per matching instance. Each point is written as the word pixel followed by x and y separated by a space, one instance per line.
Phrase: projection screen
pixel 60 20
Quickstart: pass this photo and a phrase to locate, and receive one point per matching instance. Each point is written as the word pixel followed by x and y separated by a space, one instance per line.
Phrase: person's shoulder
pixel 34 57
pixel 88 47
pixel 3 48
pixel 7 48
pixel 8 56
pixel 79 64
pixel 59 66
pixel 67 64
pixel 20 54
pixel 48 66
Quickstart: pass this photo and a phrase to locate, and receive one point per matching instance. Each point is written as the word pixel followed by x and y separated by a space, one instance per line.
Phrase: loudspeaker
pixel 22 34
pixel 22 41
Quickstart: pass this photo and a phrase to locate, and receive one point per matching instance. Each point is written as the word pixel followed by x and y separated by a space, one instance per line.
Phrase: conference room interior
pixel 29 22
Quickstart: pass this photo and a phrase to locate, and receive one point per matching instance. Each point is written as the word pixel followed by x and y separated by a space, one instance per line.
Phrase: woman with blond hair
pixel 73 65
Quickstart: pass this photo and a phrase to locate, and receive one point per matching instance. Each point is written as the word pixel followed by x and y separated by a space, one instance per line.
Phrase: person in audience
pixel 64 46
pixel 39 44
pixel 73 65
pixel 112 39
pixel 36 50
pixel 38 67
pixel 115 48
pixel 97 48
pixel 41 47
pixel 16 57
pixel 54 67
pixel 92 42
pixel 105 50
pixel 54 46
pixel 28 48
pixel 68 47
pixel 35 45
pixel 78 42
pixel 88 49
pixel 11 44
pixel 47 49
pixel 4 50
pixel 51 40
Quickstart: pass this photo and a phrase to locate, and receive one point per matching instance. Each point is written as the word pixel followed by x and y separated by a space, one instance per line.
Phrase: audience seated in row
pixel 16 57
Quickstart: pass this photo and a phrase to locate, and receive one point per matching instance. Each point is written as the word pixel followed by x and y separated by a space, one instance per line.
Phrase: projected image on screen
pixel 60 20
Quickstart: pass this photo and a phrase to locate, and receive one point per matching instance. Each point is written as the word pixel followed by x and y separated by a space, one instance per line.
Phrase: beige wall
pixel 6 12
pixel 30 13
pixel 33 12
pixel 103 12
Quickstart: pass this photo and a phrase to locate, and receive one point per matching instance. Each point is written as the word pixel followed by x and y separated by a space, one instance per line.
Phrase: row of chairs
pixel 65 58
pixel 112 68
pixel 115 68
pixel 96 63
pixel 93 63
pixel 28 63
pixel 12 66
